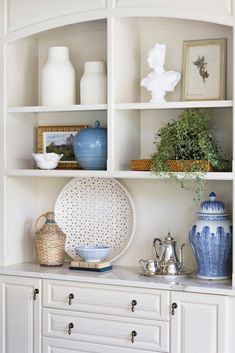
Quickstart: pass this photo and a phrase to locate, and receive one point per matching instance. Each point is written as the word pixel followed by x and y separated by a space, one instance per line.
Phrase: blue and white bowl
pixel 93 253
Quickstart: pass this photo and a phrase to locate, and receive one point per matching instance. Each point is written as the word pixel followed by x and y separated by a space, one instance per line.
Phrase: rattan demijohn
pixel 50 242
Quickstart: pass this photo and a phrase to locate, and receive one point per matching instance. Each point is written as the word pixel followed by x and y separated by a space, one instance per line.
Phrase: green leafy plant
pixel 187 138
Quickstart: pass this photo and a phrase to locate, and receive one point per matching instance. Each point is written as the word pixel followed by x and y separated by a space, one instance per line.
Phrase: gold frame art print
pixel 59 139
pixel 204 69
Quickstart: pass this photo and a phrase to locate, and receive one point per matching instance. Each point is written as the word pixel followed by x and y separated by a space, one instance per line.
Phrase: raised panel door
pixel 20 323
pixel 198 323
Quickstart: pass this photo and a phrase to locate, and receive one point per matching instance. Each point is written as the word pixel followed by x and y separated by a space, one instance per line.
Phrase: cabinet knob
pixel 133 335
pixel 71 297
pixel 71 325
pixel 133 304
pixel 173 307
pixel 35 293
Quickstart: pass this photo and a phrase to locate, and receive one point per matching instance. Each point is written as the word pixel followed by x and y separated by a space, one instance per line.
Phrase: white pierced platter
pixel 96 211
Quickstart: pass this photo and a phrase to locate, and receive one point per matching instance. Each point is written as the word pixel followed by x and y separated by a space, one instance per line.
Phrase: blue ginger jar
pixel 211 240
pixel 90 147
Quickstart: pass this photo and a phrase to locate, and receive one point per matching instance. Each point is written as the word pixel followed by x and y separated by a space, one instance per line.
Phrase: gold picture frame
pixel 204 69
pixel 51 138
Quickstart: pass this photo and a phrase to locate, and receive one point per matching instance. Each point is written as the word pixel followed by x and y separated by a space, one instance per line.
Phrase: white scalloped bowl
pixel 93 253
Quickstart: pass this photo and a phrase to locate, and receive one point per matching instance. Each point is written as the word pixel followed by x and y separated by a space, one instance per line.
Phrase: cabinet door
pixel 198 323
pixel 20 315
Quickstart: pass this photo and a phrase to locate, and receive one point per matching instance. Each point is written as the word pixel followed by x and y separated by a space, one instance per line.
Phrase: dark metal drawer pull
pixel 71 297
pixel 35 293
pixel 71 325
pixel 133 335
pixel 133 304
pixel 173 306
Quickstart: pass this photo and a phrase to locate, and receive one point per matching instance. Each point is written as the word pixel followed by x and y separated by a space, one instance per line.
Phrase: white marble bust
pixel 159 81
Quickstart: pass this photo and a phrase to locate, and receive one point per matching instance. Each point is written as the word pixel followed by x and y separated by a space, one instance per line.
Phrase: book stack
pixel 90 266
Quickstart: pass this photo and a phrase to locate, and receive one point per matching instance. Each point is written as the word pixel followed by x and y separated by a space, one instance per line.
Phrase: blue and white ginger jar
pixel 211 239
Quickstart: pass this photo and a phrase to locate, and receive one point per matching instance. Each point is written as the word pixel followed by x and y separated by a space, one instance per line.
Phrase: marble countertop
pixel 121 276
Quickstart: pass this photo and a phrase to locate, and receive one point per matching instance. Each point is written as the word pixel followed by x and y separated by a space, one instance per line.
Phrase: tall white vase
pixel 93 84
pixel 58 78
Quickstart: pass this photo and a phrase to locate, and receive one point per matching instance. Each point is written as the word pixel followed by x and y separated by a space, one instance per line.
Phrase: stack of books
pixel 90 266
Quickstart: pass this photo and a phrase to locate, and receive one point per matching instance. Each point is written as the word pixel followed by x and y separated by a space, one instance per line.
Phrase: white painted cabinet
pixel 198 323
pixel 115 316
pixel 20 313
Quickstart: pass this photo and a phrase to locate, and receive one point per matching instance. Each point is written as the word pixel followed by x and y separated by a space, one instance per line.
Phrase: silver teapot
pixel 168 262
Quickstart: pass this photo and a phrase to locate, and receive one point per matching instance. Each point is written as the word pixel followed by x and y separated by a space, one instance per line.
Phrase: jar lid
pixel 212 206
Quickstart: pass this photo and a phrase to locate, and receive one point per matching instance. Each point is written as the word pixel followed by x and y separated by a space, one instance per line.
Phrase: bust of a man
pixel 159 81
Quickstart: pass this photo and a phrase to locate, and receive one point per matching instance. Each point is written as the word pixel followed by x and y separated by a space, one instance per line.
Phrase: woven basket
pixel 175 165
pixel 141 164
pixel 50 242
pixel 188 165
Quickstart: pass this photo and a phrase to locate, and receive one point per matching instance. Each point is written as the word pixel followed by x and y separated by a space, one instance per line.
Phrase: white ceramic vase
pixel 58 78
pixel 93 84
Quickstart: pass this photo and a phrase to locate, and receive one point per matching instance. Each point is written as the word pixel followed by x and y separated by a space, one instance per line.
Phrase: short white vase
pixel 58 78
pixel 93 84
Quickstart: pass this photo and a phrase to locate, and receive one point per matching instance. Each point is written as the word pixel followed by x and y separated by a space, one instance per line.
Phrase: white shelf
pixel 149 175
pixel 123 106
pixel 60 173
pixel 102 173
pixel 51 109
pixel 175 105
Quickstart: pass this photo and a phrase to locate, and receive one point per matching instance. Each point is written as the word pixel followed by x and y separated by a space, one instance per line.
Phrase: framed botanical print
pixel 204 69
pixel 59 139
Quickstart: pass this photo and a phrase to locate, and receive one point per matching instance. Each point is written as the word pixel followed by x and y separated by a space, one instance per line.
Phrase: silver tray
pixel 183 274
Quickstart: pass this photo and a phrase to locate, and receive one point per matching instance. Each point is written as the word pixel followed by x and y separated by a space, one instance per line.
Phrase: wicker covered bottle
pixel 50 242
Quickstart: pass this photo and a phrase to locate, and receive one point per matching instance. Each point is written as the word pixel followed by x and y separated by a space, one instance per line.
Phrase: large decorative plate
pixel 96 211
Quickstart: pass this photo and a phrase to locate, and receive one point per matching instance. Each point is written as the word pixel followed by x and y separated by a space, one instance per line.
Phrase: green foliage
pixel 187 138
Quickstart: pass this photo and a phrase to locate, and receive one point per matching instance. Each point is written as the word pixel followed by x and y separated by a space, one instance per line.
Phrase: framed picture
pixel 204 69
pixel 59 139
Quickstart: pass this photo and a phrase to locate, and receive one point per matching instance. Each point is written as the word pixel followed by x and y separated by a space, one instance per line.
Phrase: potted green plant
pixel 186 145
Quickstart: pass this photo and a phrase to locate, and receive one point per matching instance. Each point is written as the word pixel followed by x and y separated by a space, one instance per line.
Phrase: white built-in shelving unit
pixel 121 35
pixel 119 32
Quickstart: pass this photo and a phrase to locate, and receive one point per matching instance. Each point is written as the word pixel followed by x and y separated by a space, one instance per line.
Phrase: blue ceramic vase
pixel 211 240
pixel 90 147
